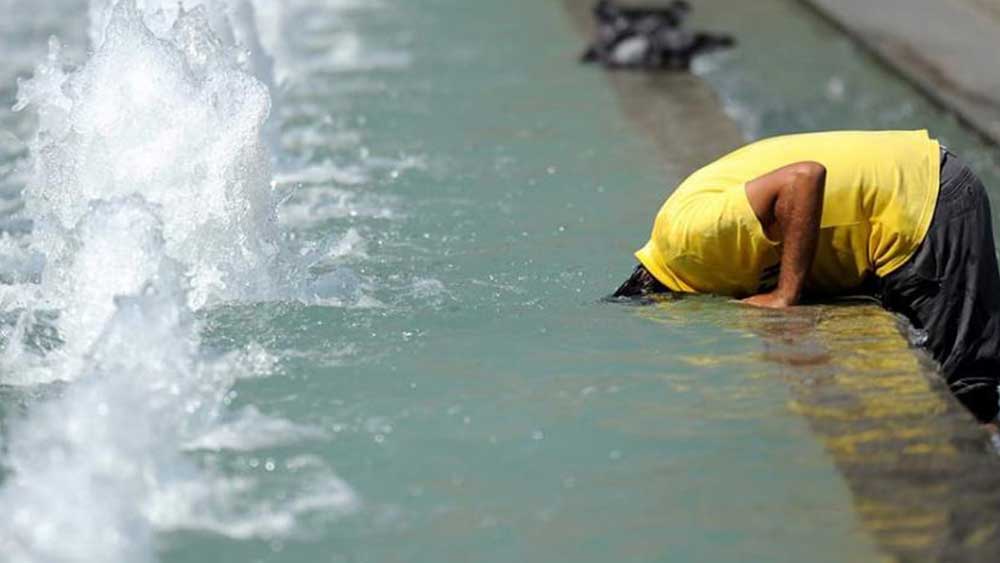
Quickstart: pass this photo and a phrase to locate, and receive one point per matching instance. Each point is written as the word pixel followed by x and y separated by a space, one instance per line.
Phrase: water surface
pixel 474 194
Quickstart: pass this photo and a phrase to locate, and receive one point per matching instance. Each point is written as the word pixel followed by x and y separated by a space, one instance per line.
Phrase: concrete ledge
pixel 948 49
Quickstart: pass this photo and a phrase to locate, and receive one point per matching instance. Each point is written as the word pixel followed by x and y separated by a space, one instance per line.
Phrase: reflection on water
pixel 922 475
pixel 924 480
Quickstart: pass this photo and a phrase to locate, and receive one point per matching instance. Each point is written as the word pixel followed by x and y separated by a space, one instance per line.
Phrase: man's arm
pixel 789 203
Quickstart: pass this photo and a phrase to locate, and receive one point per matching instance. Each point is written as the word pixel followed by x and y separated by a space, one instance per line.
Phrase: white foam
pixel 150 197
pixel 174 123
pixel 313 207
pixel 349 53
pixel 85 464
pixel 99 471
pixel 251 430
pixel 324 172
pixel 326 40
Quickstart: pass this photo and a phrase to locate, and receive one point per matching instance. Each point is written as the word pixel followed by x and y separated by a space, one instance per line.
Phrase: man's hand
pixel 789 205
pixel 773 300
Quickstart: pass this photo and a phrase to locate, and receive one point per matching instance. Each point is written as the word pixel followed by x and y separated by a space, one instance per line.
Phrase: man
pixel 886 213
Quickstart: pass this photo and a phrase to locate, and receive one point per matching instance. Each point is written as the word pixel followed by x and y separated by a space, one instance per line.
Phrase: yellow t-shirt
pixel 881 189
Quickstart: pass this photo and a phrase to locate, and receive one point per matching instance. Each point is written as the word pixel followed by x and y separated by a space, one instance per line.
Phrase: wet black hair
pixel 640 284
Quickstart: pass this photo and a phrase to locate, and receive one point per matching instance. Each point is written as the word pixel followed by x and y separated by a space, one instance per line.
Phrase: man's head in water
pixel 640 284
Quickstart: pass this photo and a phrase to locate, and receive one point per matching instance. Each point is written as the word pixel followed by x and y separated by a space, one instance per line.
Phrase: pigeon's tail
pixel 711 41
pixel 591 55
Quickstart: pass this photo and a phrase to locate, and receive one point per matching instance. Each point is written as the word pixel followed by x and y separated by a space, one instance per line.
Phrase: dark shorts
pixel 950 290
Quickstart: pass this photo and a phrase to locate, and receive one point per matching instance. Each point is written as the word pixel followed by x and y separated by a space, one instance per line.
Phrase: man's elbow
pixel 811 172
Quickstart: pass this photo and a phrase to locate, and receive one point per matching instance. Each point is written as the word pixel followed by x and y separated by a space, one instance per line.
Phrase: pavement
pixel 949 49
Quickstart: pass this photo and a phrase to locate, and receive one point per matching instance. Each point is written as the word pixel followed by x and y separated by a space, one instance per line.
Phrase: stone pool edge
pixel 945 49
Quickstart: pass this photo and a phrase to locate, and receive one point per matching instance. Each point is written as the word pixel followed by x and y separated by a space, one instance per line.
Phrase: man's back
pixel 881 188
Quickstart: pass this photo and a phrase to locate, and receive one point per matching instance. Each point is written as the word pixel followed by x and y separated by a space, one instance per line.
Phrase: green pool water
pixel 530 421
pixel 472 388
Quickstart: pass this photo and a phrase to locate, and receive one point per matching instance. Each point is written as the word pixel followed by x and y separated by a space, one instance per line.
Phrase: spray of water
pixel 150 197
pixel 178 121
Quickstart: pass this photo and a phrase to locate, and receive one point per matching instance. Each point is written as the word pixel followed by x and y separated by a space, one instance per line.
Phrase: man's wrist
pixel 788 297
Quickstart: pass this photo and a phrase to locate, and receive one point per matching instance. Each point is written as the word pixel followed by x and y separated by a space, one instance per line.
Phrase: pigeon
pixel 648 38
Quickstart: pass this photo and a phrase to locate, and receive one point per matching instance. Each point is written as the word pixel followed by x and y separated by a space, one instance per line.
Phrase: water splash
pixel 178 122
pixel 149 197
pixel 231 23
pixel 100 470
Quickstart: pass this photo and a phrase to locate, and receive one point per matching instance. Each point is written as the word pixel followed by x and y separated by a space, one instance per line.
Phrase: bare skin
pixel 788 202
